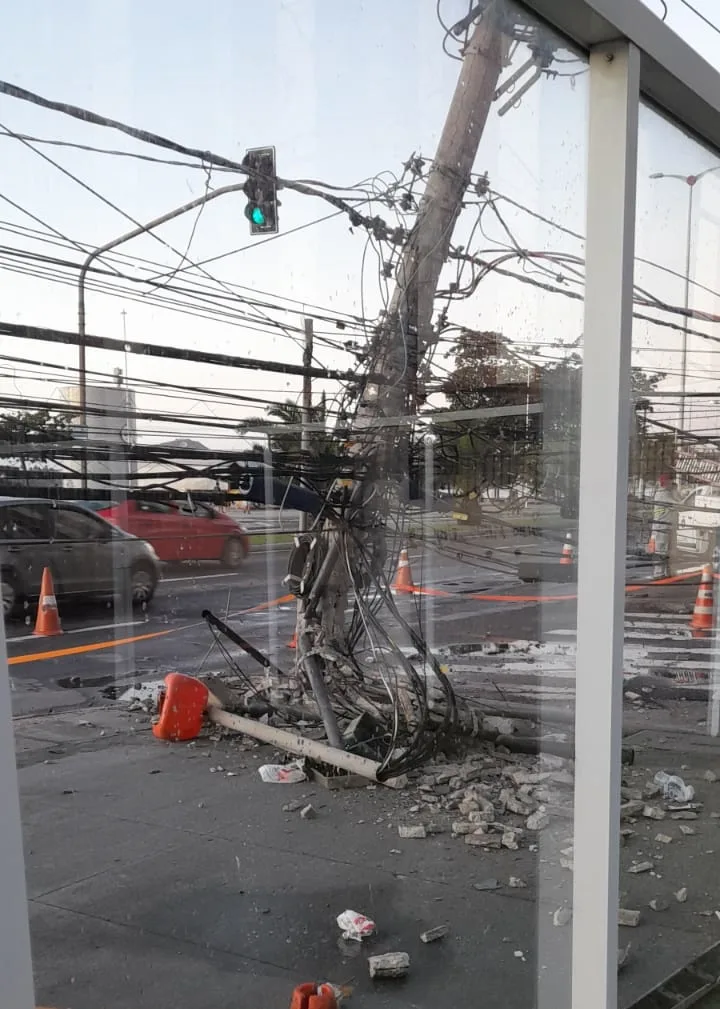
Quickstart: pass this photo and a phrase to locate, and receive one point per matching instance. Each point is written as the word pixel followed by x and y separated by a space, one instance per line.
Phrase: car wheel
pixel 142 586
pixel 233 554
pixel 10 595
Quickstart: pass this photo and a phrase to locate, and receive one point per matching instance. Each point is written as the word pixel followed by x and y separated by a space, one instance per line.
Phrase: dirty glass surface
pixel 671 805
pixel 290 456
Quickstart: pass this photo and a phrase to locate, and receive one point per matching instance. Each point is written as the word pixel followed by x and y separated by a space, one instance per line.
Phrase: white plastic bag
pixel 355 925
pixel 283 774
pixel 674 788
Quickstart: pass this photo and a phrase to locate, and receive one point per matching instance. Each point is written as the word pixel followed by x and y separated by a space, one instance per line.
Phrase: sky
pixel 343 97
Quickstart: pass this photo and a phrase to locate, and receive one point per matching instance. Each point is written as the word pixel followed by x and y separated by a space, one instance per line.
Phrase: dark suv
pixel 85 554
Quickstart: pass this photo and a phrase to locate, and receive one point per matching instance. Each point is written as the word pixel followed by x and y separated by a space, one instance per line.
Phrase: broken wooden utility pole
pixel 344 551
pixel 407 333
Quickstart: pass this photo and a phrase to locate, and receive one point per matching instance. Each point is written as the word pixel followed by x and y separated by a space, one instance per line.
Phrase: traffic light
pixel 261 190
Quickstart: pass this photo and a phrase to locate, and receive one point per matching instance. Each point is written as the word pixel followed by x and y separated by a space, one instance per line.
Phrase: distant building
pixel 111 427
pixel 146 470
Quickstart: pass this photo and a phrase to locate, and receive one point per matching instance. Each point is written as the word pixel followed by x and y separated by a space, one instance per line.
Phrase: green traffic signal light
pixel 257 216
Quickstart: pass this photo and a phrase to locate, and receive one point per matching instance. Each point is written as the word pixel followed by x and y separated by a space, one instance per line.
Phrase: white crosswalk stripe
pixel 658 648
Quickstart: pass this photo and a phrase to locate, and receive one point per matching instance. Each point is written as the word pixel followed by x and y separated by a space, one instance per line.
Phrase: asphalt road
pixel 470 602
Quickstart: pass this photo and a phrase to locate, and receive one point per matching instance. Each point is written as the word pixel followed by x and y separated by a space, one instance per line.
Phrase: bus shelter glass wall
pixel 671 803
pixel 332 471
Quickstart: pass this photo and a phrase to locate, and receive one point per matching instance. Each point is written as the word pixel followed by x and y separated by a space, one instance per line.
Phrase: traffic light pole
pixel 141 229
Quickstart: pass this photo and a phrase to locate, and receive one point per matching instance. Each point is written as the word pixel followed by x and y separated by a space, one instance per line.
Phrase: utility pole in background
pixel 306 408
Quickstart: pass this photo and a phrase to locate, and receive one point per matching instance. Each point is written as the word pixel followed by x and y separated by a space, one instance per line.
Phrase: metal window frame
pixel 604 450
pixel 648 60
pixel 632 55
pixel 15 957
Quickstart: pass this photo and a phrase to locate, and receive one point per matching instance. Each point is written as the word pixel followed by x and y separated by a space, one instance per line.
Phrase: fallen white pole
pixel 300 746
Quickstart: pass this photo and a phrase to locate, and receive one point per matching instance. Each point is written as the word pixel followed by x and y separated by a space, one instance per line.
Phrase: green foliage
pixel 34 427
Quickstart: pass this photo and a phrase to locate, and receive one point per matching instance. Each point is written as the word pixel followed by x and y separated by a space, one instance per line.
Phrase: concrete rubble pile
pixel 494 800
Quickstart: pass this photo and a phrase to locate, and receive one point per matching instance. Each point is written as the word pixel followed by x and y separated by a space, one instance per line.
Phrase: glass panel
pixel 671 804
pixel 389 568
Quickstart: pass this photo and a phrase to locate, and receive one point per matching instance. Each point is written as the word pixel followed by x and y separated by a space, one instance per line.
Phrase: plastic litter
pixel 283 774
pixel 355 925
pixel 674 788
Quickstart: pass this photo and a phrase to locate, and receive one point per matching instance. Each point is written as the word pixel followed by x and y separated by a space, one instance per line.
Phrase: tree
pixel 23 428
pixel 476 454
pixel 561 384
pixel 283 422
pixel 34 427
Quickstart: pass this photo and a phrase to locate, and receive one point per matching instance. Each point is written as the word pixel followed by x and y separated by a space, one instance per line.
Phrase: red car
pixel 182 530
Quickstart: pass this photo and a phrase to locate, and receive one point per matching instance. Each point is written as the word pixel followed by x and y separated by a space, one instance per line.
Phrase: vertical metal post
pixel 604 449
pixel 306 408
pixel 273 578
pixel 428 563
pixel 686 321
pixel 15 960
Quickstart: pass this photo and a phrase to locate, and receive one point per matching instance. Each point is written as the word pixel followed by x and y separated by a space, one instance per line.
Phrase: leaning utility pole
pixel 407 333
pixel 381 437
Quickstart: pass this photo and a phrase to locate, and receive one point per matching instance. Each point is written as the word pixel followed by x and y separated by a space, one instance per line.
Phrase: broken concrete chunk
pixel 562 916
pixel 638 867
pixel 623 955
pixel 482 840
pixel 537 821
pixel 687 831
pixel 408 831
pixel 631 808
pixel 658 904
pixel 469 806
pixel 482 815
pixel 308 812
pixel 567 863
pixel 628 919
pixel 528 777
pixel 710 776
pixel 433 934
pixel 522 805
pixel 684 814
pixel 389 965
pixel 651 790
pixel 681 895
pixel 509 840
pixel 517 883
pixel 663 838
pixel 487 884
pixel 293 806
pixel 653 813
pixel 460 827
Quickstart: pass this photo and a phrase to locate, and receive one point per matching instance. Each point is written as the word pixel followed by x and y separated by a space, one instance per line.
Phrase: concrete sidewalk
pixel 154 882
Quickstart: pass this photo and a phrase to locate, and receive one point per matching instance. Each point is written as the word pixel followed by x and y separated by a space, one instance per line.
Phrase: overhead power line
pixel 205 157
pixel 179 354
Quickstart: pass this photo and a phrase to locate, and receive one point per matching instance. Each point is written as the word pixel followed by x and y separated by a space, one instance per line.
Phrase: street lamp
pixel 141 229
pixel 690 181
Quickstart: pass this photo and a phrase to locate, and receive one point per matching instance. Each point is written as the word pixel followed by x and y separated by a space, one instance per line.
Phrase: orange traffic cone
pixel 292 643
pixel 701 622
pixel 181 706
pixel 651 547
pixel 47 622
pixel 566 557
pixel 403 579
